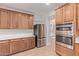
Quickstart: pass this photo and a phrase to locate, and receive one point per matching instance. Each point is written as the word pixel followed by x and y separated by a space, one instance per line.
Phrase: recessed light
pixel 47 3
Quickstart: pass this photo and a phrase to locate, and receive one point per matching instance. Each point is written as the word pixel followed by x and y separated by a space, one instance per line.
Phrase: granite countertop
pixel 13 36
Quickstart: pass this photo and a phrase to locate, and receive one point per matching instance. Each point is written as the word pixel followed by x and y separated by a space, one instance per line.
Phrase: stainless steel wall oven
pixel 64 33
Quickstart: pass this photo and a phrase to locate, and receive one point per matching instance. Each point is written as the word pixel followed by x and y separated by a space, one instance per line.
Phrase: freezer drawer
pixel 41 42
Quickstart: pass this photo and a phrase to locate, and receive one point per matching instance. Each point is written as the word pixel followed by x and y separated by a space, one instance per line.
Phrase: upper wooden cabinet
pixel 23 21
pixel 12 20
pixel 78 16
pixel 68 12
pixel 59 16
pixel 30 22
pixel 15 20
pixel 4 19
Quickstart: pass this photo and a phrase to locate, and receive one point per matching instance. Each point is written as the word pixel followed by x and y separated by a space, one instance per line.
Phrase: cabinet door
pixel 4 48
pixel 26 43
pixel 19 20
pixel 30 21
pixel 68 11
pixel 59 16
pixel 13 20
pixel 77 49
pixel 78 16
pixel 32 42
pixel 23 21
pixel 26 22
pixel 16 45
pixel 4 19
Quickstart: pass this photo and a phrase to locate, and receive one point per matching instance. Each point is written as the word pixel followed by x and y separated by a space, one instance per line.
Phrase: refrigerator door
pixel 42 31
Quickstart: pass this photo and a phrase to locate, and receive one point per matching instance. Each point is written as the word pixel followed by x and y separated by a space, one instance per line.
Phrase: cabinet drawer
pixel 64 51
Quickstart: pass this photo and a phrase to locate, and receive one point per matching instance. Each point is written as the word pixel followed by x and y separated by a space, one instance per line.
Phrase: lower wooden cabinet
pixel 17 45
pixel 32 42
pixel 4 48
pixel 26 43
pixel 8 47
pixel 77 49
pixel 63 51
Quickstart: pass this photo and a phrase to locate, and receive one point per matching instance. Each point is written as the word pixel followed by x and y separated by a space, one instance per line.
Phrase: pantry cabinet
pixel 59 16
pixel 68 12
pixel 4 47
pixel 69 15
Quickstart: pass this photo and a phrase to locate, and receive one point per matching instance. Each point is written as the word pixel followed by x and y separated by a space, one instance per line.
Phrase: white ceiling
pixel 34 8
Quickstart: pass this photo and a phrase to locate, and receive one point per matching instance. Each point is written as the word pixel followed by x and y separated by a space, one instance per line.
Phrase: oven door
pixel 59 38
pixel 64 39
pixel 68 40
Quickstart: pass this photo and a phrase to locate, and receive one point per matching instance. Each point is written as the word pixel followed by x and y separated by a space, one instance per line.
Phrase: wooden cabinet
pixel 68 12
pixel 16 45
pixel 26 43
pixel 77 16
pixel 3 19
pixel 32 42
pixel 15 20
pixel 59 16
pixel 23 21
pixel 64 51
pixel 77 49
pixel 4 48
pixel 30 22
pixel 29 43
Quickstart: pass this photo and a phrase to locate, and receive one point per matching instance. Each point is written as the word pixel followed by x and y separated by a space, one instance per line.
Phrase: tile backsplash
pixel 15 31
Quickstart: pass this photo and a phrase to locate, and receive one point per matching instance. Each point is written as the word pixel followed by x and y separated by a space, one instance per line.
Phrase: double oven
pixel 64 34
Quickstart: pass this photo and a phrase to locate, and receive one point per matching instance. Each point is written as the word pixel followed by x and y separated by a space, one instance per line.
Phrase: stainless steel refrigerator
pixel 39 35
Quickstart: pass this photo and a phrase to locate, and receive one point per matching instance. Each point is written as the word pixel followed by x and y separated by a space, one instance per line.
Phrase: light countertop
pixel 77 40
pixel 13 34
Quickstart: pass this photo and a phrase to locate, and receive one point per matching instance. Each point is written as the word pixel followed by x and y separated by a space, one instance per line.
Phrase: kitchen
pixel 24 30
pixel 39 29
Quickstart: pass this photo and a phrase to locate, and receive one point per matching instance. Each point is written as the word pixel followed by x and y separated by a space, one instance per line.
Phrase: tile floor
pixel 43 51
